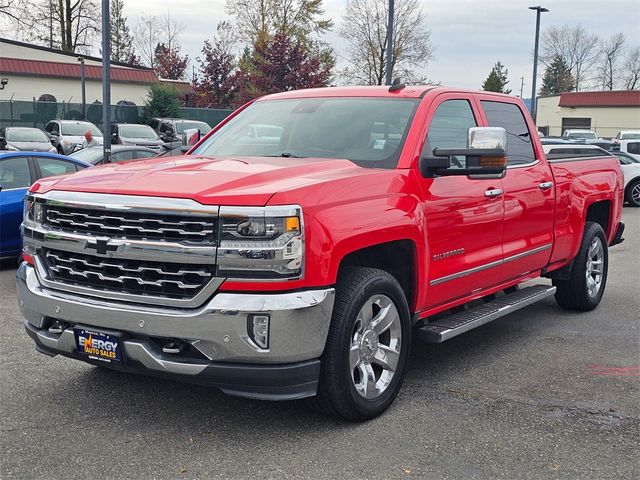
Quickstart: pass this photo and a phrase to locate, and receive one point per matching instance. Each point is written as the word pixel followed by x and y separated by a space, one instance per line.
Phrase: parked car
pixel 629 165
pixel 136 134
pixel 303 268
pixel 24 139
pixel 632 147
pixel 171 129
pixel 587 137
pixel 119 153
pixel 67 135
pixel 18 170
pixel 626 135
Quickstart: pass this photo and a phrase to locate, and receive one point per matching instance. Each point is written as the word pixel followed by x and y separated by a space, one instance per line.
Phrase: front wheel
pixel 365 357
pixel 585 287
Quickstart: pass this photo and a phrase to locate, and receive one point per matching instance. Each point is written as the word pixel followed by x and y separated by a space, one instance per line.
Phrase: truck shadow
pixel 165 407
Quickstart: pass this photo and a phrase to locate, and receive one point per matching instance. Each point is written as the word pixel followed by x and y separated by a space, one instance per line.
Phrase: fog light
pixel 258 330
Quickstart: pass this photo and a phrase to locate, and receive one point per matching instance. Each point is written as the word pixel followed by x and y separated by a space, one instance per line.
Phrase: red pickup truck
pixel 301 243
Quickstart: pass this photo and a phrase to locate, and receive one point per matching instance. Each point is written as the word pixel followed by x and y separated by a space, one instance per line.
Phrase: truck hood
pixel 224 181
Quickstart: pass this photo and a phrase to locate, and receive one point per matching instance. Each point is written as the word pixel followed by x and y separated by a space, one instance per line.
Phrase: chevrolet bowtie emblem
pixel 101 246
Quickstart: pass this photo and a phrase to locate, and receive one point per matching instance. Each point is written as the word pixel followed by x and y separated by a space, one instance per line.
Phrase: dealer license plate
pixel 97 345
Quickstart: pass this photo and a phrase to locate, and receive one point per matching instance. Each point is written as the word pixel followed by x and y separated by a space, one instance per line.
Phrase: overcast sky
pixel 469 36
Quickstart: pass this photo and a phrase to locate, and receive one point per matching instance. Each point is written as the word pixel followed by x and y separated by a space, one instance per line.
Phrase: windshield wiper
pixel 285 155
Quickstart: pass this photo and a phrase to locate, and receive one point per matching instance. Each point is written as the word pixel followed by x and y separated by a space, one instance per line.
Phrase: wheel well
pixel 397 258
pixel 598 212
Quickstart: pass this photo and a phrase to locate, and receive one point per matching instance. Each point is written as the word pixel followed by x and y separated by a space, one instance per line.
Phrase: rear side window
pixel 633 148
pixel 568 152
pixel 14 173
pixel 449 128
pixel 510 117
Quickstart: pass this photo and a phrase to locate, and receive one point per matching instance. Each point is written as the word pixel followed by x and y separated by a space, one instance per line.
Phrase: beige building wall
pixel 605 121
pixel 68 89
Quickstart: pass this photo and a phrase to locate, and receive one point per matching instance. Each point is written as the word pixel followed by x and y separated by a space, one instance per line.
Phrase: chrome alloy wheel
pixel 635 193
pixel 375 346
pixel 595 267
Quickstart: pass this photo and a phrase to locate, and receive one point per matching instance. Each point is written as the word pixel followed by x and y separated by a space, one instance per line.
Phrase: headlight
pixel 261 243
pixel 33 210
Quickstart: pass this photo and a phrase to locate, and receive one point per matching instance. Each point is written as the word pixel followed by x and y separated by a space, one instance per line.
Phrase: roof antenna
pixel 396 85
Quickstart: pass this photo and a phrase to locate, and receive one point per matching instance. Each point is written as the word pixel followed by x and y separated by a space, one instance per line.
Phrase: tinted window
pixel 53 166
pixel 509 117
pixel 449 128
pixel 569 152
pixel 634 148
pixel 122 156
pixel 14 173
pixel 145 154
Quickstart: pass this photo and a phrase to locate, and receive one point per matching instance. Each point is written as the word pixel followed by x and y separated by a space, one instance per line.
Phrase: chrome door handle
pixel 545 185
pixel 496 192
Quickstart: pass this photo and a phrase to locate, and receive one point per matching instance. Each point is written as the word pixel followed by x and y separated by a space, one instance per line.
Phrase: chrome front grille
pixel 182 228
pixel 134 277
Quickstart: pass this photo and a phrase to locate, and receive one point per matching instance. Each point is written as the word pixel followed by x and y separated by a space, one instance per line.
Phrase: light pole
pixel 106 83
pixel 388 78
pixel 83 112
pixel 521 86
pixel 534 106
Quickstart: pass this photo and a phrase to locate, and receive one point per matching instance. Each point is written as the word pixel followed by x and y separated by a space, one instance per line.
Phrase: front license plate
pixel 97 345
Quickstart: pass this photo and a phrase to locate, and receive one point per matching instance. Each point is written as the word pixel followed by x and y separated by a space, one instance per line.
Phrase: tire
pixel 633 193
pixel 367 341
pixel 585 287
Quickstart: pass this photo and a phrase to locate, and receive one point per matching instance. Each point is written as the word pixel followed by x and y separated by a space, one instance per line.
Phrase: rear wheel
pixel 367 347
pixel 585 287
pixel 633 193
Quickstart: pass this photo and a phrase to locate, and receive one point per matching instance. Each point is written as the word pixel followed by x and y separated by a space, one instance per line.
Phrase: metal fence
pixel 38 114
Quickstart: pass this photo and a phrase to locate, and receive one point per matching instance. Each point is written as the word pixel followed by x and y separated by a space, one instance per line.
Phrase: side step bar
pixel 457 323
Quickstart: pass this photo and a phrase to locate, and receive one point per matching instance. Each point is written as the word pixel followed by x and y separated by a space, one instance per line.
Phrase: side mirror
pixel 485 155
pixel 190 137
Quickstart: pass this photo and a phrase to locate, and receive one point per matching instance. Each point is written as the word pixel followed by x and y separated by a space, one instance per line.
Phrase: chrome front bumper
pixel 299 323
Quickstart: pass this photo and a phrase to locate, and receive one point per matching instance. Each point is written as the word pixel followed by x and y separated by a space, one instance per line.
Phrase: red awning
pixel 38 68
pixel 621 98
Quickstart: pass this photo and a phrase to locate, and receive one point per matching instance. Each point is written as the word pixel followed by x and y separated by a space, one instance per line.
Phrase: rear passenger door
pixel 529 192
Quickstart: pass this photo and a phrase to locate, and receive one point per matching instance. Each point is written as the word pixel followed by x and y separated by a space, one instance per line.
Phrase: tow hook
pixel 57 327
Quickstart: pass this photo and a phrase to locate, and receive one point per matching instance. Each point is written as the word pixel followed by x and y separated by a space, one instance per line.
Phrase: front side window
pixel 449 128
pixel 14 173
pixel 510 117
pixel 370 132
pixel 633 148
pixel 53 166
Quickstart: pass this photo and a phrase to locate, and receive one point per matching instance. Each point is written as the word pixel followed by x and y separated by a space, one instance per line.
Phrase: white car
pixel 626 135
pixel 580 134
pixel 632 147
pixel 629 164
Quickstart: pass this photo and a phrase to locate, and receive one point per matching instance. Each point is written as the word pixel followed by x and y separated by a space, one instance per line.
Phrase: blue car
pixel 18 170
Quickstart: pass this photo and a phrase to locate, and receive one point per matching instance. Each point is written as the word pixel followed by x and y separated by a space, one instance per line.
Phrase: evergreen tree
pixel 497 79
pixel 121 39
pixel 161 101
pixel 557 78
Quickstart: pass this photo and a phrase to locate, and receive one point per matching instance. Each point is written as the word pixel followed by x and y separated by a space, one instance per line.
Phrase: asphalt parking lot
pixel 544 393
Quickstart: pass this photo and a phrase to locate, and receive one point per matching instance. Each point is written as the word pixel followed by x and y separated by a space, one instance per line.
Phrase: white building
pixel 606 112
pixel 28 71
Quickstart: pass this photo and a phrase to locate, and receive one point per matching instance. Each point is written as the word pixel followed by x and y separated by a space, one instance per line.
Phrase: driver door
pixel 464 214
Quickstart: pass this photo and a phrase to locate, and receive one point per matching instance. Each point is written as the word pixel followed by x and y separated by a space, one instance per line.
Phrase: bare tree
pixel 632 69
pixel 364 28
pixel 10 10
pixel 575 46
pixel 611 52
pixel 258 19
pixel 151 31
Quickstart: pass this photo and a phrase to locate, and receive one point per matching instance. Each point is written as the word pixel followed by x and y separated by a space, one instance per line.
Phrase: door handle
pixel 545 185
pixel 494 192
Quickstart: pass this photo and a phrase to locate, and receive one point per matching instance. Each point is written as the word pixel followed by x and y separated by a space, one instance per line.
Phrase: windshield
pixel 587 135
pixel 630 136
pixel 92 155
pixel 26 135
pixel 203 127
pixel 368 131
pixel 137 131
pixel 79 129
